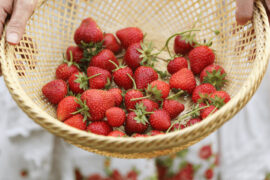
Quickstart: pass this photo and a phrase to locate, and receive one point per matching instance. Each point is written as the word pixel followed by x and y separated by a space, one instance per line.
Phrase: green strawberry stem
pixel 176 95
pixel 140 98
pixel 185 116
pixel 116 66
pixel 120 56
pixel 94 76
pixel 84 110
pixel 133 81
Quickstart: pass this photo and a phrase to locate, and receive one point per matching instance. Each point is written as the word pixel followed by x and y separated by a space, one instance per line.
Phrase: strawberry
pixel 100 81
pixel 111 43
pixel 219 98
pixel 88 32
pixel 136 135
pixel 132 175
pixel 181 46
pixel 74 54
pixel 64 71
pixel 149 105
pixel 76 121
pixel 135 124
pixel 144 76
pixel 117 94
pixel 205 152
pixel 207 111
pixel 155 132
pixel 115 116
pixel 178 126
pixel 75 86
pixel 121 78
pixel 96 103
pixel 173 108
pixel 116 133
pixel 66 107
pixel 55 91
pixel 209 174
pixel 129 36
pixel 215 75
pixel 177 64
pixel 161 86
pixel 99 127
pixel 132 94
pixel 160 120
pixel 184 80
pixel 202 92
pixel 93 177
pixel 193 121
pixel 200 57
pixel 103 58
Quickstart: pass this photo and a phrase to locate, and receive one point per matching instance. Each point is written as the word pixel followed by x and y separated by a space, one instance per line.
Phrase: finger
pixel 5 9
pixel 267 2
pixel 23 9
pixel 244 11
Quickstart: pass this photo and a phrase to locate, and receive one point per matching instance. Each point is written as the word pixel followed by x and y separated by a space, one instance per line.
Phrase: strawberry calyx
pixel 216 78
pixel 117 67
pixel 83 110
pixel 217 101
pixel 147 55
pixel 90 49
pixel 204 98
pixel 71 62
pixel 82 79
pixel 154 93
pixel 141 114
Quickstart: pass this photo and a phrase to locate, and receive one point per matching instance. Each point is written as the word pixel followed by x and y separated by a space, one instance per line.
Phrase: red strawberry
pixel 97 103
pixel 132 56
pixel 193 121
pixel 178 126
pixel 161 86
pixel 207 111
pixel 121 78
pixel 184 80
pixel 64 71
pixel 219 98
pixel 100 128
pixel 177 64
pixel 205 152
pixel 116 175
pixel 134 124
pixel 200 57
pixel 76 121
pixel 111 43
pixel 186 172
pixel 213 74
pixel 78 83
pixel 155 132
pixel 173 107
pixel 202 92
pixel 181 46
pixel 93 177
pixel 149 105
pixel 115 116
pixel 160 120
pixel 66 107
pixel 132 175
pixel 74 54
pixel 208 174
pixel 144 76
pixel 117 94
pixel 129 36
pixel 100 81
pixel 136 135
pixel 103 58
pixel 132 94
pixel 55 91
pixel 116 133
pixel 88 32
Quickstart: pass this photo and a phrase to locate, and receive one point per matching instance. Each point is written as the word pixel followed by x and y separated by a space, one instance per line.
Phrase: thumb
pixel 22 11
pixel 244 11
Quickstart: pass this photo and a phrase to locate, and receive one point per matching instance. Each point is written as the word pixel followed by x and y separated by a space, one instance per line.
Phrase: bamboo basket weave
pixel 242 50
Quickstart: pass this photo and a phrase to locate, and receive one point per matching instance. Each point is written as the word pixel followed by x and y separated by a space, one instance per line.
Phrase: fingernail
pixel 13 38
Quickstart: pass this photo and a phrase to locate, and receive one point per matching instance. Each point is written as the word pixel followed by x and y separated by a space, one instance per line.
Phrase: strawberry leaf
pixel 82 79
pixel 154 93
pixel 215 78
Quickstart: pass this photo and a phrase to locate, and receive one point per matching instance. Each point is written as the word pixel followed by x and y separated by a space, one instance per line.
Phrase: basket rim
pixel 74 135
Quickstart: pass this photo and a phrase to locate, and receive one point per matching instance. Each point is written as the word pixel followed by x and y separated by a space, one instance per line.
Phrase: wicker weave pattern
pixel 243 51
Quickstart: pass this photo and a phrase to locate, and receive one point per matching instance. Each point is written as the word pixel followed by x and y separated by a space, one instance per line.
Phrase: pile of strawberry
pixel 98 92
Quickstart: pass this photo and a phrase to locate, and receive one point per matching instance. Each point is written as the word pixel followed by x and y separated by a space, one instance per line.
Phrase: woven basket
pixel 242 50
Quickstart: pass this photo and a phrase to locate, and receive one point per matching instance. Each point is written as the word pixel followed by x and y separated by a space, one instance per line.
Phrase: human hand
pixel 20 11
pixel 244 10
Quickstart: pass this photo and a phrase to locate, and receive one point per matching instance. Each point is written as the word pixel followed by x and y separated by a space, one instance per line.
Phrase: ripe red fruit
pixel 97 102
pixel 160 120
pixel 76 87
pixel 144 76
pixel 181 46
pixel 178 126
pixel 98 82
pixel 111 43
pixel 184 80
pixel 177 64
pixel 76 52
pixel 117 94
pixel 193 121
pixel 99 127
pixel 139 135
pixel 207 111
pixel 103 58
pixel 205 152
pixel 132 56
pixel 116 133
pixel 208 174
pixel 149 104
pixel 93 177
pixel 161 86
pixel 173 107
pixel 219 98
pixel 129 36
pixel 202 92
pixel 200 57
pixel 88 32
pixel 132 94
pixel 76 121
pixel 121 78
pixel 64 71
pixel 132 175
pixel 66 107
pixel 115 116
pixel 134 125
pixel 55 91
pixel 155 132
pixel 213 74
